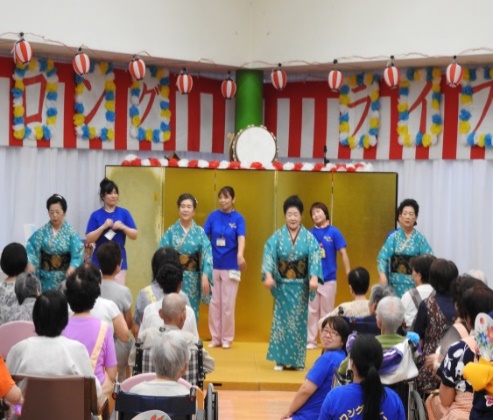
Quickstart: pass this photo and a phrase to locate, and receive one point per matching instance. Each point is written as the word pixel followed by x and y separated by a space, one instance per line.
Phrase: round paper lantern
pixel 335 80
pixel 391 76
pixel 279 78
pixel 184 83
pixel 228 88
pixel 81 63
pixel 454 74
pixel 137 68
pixel 22 52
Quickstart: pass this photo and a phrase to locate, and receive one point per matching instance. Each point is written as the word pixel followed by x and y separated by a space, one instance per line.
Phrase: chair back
pixel 129 383
pixel 59 397
pixel 181 407
pixel 13 332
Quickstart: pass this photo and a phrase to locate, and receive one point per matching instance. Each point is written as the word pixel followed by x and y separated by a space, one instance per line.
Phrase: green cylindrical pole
pixel 249 96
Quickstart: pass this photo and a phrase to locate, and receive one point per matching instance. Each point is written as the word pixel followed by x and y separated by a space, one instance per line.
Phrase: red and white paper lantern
pixel 454 74
pixel 391 76
pixel 22 52
pixel 279 78
pixel 335 80
pixel 184 82
pixel 81 64
pixel 228 88
pixel 137 68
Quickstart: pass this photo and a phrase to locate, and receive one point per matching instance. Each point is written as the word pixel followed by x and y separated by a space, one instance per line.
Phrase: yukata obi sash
pixel 293 269
pixel 60 262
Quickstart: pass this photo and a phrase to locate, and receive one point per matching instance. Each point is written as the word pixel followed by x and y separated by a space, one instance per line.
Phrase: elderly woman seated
pixel 49 353
pixel 27 289
pixel 170 356
pixel 12 262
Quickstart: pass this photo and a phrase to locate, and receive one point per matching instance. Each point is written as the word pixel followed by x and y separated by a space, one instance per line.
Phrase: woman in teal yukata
pixel 190 240
pixel 55 250
pixel 291 270
pixel 400 246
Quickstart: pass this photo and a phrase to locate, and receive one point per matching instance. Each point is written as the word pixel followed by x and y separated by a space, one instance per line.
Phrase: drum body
pixel 253 144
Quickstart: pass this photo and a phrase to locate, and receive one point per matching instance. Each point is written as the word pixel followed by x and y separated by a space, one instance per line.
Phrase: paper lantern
pixel 22 52
pixel 279 78
pixel 184 82
pixel 454 74
pixel 81 63
pixel 335 80
pixel 391 76
pixel 137 68
pixel 228 87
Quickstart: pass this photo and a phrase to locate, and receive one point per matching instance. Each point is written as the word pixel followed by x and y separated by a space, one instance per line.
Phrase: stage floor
pixel 244 367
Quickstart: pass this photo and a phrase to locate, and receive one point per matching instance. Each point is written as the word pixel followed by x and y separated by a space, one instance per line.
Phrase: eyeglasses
pixel 330 332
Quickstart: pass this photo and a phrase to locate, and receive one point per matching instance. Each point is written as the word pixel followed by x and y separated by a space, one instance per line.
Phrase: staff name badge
pixel 221 242
pixel 322 252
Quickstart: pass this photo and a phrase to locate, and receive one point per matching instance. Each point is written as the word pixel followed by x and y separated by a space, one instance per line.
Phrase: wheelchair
pixel 185 407
pixel 195 373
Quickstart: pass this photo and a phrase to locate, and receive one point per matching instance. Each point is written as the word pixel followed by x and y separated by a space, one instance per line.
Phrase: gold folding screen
pixel 362 206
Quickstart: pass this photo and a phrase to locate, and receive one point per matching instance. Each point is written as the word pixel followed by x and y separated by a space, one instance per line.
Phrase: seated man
pixel 170 356
pixel 359 282
pixel 170 278
pixel 390 316
pixel 173 313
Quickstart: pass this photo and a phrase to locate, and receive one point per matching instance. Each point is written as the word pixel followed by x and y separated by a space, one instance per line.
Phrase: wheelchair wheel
pixel 416 410
pixel 212 406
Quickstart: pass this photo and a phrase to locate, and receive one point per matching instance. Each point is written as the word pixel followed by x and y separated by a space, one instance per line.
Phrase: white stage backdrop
pixel 454 196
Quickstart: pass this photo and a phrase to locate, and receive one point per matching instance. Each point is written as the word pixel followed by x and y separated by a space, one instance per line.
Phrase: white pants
pixel 319 307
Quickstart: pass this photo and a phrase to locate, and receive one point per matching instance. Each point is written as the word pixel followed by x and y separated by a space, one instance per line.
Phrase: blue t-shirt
pixel 321 375
pixel 98 218
pixel 348 400
pixel 228 227
pixel 331 239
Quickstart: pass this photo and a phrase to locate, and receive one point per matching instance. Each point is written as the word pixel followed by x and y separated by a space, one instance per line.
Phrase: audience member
pixel 9 391
pixel 435 315
pixel 49 353
pixel 173 314
pixel 109 258
pixel 170 357
pixel 82 289
pixel 366 398
pixel 318 382
pixel 477 274
pixel 12 262
pixel 154 291
pixel 456 394
pixel 27 289
pixel 420 272
pixel 170 278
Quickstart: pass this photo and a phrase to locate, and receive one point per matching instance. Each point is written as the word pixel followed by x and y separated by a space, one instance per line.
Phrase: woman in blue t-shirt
pixel 318 382
pixel 111 223
pixel 225 228
pixel 366 398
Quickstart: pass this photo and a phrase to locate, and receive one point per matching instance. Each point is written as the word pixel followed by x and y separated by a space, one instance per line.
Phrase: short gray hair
pixel 390 311
pixel 378 292
pixel 26 285
pixel 170 355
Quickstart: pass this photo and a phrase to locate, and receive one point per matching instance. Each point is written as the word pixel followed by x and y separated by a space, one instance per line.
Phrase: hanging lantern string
pixel 10 36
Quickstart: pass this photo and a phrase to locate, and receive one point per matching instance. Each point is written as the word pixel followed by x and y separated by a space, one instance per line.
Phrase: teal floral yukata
pixel 287 344
pixel 196 258
pixel 393 258
pixel 52 254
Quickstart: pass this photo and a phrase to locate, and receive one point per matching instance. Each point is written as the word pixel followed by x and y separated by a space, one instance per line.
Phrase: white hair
pixel 390 311
pixel 477 274
pixel 170 355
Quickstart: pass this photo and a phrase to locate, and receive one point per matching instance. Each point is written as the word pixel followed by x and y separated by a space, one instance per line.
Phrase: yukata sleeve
pixel 425 247
pixel 166 240
pixel 314 259
pixel 383 258
pixel 33 248
pixel 206 254
pixel 76 250
pixel 269 258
